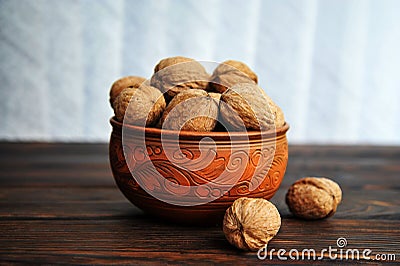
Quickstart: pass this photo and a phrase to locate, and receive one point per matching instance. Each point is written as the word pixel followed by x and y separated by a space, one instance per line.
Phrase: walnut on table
pixel 313 198
pixel 250 223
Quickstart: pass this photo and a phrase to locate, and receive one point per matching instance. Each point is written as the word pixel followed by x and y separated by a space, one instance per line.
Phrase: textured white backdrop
pixel 333 66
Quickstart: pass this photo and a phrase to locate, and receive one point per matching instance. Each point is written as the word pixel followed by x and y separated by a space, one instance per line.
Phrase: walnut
pixel 247 105
pixel 250 223
pixel 166 62
pixel 279 117
pixel 313 198
pixel 176 74
pixel 229 73
pixel 192 110
pixel 139 106
pixel 123 83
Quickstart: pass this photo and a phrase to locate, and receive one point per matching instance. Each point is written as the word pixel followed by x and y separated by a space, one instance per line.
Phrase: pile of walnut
pixel 250 223
pixel 181 95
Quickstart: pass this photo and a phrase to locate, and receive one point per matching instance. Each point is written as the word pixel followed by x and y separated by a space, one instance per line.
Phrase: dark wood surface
pixel 59 204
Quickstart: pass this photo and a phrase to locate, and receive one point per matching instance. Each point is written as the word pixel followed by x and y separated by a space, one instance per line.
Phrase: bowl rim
pixel 195 134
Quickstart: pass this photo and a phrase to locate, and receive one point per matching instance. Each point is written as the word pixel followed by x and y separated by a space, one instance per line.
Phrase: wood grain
pixel 59 204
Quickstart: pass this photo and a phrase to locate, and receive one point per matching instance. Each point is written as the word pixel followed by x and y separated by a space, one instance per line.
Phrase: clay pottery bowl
pixel 193 177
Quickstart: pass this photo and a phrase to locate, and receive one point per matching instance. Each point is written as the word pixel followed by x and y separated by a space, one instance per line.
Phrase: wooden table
pixel 59 204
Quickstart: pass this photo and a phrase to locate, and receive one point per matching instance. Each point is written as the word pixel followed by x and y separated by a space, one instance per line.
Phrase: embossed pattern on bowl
pixel 265 155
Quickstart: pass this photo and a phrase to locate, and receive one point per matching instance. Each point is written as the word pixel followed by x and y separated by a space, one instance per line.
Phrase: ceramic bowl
pixel 254 164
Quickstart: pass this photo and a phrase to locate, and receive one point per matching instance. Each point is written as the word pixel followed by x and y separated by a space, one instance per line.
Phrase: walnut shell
pixel 141 106
pixel 123 83
pixel 166 62
pixel 229 73
pixel 192 110
pixel 248 105
pixel 242 67
pixel 250 223
pixel 176 74
pixel 277 112
pixel 313 198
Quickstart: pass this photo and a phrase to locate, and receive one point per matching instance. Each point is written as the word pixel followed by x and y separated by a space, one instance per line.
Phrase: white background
pixel 333 66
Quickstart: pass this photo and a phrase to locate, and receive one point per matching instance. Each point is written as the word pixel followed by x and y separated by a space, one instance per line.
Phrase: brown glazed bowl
pixel 255 163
